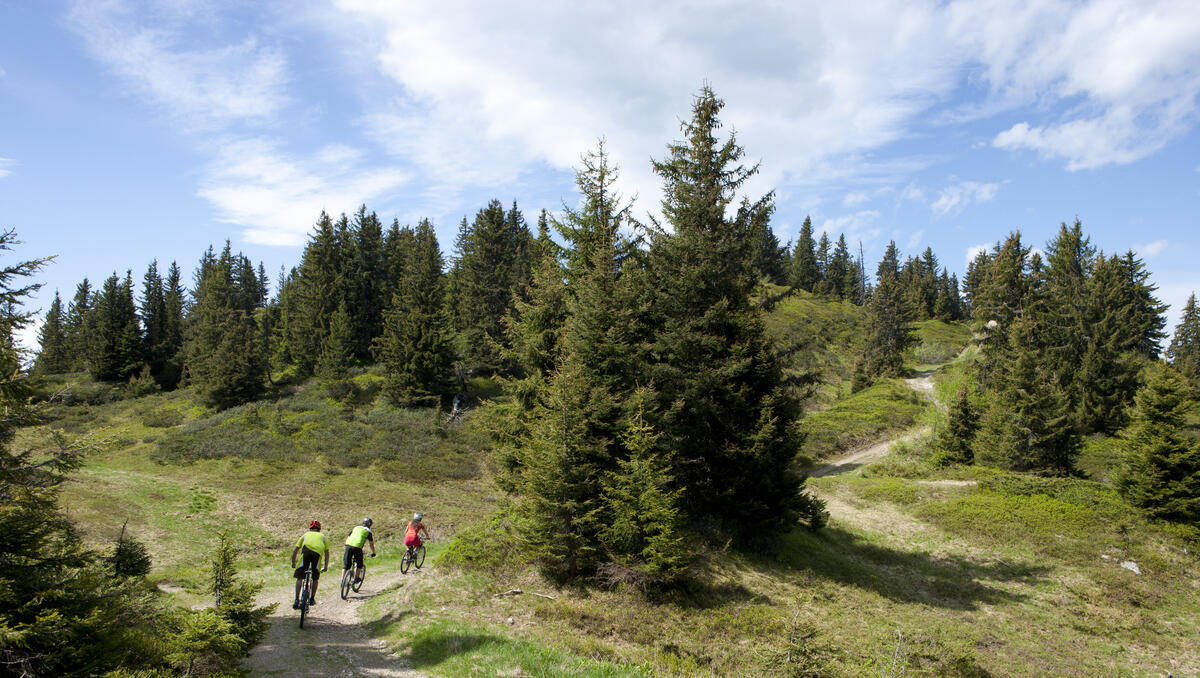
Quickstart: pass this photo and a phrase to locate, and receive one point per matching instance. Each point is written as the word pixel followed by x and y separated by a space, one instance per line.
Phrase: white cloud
pixel 1152 249
pixel 855 199
pixel 953 199
pixel 3 72
pixel 201 88
pixel 276 198
pixel 913 192
pixel 973 251
pixel 914 240
pixel 6 165
pixel 856 226
pixel 1128 70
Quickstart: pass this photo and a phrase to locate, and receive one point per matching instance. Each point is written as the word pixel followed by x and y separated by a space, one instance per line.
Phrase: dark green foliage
pixel 889 332
pixel 415 345
pixel 953 443
pixel 225 359
pixel 721 403
pixel 534 324
pixel 80 326
pixel 319 290
pixel 367 272
pixel 842 282
pixel 171 350
pixel 1184 352
pixel 54 356
pixel 233 597
pixel 492 263
pixel 58 608
pixel 130 557
pixel 1161 473
pixel 1026 425
pixel 770 258
pixel 821 253
pixel 117 346
pixel 335 354
pixel 805 274
pixel 645 531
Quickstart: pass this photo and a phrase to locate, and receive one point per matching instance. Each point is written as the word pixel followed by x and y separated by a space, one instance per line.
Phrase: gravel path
pixel 334 640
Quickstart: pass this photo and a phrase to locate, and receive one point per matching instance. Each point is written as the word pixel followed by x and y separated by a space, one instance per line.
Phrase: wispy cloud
pixel 859 225
pixel 276 198
pixel 202 88
pixel 6 165
pixel 953 199
pixel 855 199
pixel 1152 249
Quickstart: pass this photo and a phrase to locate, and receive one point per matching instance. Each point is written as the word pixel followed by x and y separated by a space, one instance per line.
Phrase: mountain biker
pixel 354 548
pixel 313 545
pixel 412 532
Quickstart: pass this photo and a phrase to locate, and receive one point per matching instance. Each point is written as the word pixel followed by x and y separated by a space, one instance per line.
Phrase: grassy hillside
pixel 922 571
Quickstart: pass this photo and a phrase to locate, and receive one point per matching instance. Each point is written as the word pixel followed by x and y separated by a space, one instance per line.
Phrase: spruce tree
pixel 769 257
pixel 484 283
pixel 81 326
pixel 1184 351
pixel 1028 423
pixel 367 272
pixel 117 347
pixel 171 349
pixel 805 273
pixel 1161 471
pixel 224 351
pixel 839 274
pixel 54 356
pixel 823 285
pixel 954 443
pixel 889 331
pixel 337 351
pixel 415 344
pixel 321 283
pixel 721 402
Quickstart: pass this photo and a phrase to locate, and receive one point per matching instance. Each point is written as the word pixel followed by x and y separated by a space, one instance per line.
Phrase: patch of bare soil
pixel 334 641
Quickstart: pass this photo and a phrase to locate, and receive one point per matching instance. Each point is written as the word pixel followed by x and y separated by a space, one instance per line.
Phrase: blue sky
pixel 131 131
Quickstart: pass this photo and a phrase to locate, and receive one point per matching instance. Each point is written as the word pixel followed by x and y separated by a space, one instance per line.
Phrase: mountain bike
pixel 350 582
pixel 305 595
pixel 413 556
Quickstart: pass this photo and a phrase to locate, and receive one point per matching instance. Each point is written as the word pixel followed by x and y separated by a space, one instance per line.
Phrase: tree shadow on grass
pixel 432 650
pixel 952 582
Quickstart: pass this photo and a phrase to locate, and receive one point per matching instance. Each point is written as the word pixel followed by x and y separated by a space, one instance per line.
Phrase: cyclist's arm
pixel 326 556
pixel 371 540
pixel 294 552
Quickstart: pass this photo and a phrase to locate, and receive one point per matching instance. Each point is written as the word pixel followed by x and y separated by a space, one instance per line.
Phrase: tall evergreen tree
pixel 154 322
pixel 954 443
pixel 415 344
pixel 1184 352
pixel 1161 471
pixel 81 326
pixel 805 273
pixel 840 274
pixel 769 257
pixel 54 356
pixel 722 406
pixel 337 351
pixel 823 285
pixel 367 273
pixel 117 348
pixel 224 351
pixel 889 331
pixel 171 348
pixel 321 283
pixel 486 276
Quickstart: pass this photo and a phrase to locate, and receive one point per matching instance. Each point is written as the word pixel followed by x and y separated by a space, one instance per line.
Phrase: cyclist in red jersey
pixel 412 534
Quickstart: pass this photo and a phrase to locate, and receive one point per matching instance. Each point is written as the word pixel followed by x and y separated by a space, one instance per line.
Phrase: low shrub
pixel 886 406
pixel 489 548
pixel 162 417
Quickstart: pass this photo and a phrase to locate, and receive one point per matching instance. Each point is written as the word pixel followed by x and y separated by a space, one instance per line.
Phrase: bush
pixel 162 417
pixel 888 405
pixel 491 548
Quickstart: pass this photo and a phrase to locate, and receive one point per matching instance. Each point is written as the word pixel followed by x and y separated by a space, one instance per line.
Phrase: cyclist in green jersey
pixel 360 535
pixel 313 546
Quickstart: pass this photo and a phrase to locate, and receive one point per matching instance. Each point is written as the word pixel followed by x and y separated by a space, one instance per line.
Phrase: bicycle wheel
pixel 419 556
pixel 347 582
pixel 405 561
pixel 304 593
pixel 359 582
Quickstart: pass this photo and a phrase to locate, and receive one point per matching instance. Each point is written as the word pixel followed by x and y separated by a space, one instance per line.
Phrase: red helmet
pixel 314 525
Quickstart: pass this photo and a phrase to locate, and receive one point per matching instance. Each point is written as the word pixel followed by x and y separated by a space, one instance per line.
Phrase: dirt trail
pixel 923 384
pixel 334 640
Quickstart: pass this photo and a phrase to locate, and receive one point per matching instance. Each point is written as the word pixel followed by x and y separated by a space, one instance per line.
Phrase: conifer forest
pixel 649 440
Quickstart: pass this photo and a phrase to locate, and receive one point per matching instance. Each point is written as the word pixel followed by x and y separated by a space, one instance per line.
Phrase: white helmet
pixel 417 517
pixel 367 522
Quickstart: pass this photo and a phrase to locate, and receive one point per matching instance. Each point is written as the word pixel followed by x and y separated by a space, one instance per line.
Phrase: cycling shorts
pixel 309 560
pixel 354 554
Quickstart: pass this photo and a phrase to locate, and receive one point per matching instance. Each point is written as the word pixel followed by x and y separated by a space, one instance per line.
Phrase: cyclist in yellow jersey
pixel 360 535
pixel 313 546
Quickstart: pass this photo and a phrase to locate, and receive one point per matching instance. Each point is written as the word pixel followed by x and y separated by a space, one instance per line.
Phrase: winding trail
pixel 335 641
pixel 922 384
